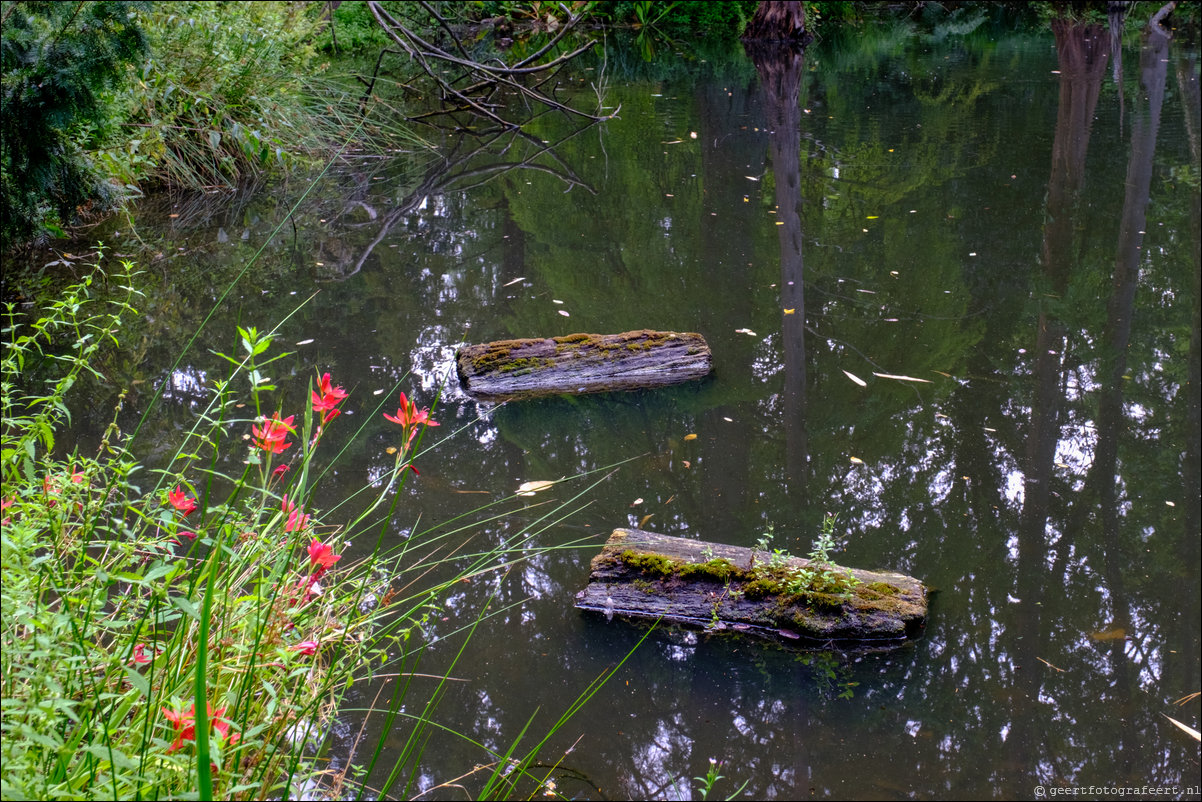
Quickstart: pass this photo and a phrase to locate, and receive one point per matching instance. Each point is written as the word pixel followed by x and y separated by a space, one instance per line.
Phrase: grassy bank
pixel 104 101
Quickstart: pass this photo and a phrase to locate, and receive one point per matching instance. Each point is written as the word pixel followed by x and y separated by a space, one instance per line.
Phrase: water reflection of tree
pixel 1082 52
pixel 466 163
pixel 780 68
pixel 1072 533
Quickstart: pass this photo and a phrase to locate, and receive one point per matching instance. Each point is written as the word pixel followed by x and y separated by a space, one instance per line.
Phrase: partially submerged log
pixel 713 586
pixel 582 363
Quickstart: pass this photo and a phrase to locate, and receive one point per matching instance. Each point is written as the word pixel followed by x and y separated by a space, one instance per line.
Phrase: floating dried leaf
pixel 305 342
pixel 900 378
pixel 530 488
pixel 855 379
pixel 1197 736
pixel 514 281
pixel 644 519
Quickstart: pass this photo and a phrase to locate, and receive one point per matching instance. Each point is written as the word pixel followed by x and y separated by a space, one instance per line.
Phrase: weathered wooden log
pixel 720 588
pixel 582 363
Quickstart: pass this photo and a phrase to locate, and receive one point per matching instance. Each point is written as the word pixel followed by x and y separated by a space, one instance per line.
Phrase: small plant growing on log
pixel 822 575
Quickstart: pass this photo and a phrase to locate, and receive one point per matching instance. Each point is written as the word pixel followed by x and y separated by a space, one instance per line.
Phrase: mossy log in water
pixel 696 584
pixel 582 363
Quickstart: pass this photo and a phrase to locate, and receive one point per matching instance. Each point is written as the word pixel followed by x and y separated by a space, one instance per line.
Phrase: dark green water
pixel 995 217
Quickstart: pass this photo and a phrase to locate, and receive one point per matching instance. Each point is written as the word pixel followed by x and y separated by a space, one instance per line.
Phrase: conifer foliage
pixel 57 60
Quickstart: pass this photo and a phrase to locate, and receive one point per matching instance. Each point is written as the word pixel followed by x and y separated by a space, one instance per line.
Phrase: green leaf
pixel 138 681
pixel 188 607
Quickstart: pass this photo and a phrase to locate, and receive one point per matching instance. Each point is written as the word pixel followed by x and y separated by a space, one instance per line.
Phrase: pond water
pixel 951 284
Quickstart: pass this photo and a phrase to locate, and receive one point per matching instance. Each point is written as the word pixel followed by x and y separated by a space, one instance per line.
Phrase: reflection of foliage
pixel 830 673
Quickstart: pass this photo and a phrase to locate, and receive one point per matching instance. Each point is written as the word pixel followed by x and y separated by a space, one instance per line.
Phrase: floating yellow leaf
pixel 855 379
pixel 1104 635
pixel 900 378
pixel 390 450
pixel 857 461
pixel 644 519
pixel 689 437
pixel 874 217
pixel 530 488
pixel 790 311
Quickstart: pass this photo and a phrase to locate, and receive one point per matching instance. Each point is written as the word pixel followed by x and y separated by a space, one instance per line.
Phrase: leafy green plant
pixel 820 575
pixel 705 785
pixel 184 631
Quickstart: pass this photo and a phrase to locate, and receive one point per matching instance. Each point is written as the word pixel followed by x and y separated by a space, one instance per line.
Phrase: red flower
pixel 185 725
pixel 297 519
pixel 305 647
pixel 223 727
pixel 140 655
pixel 322 556
pixel 178 540
pixel 329 397
pixel 410 416
pixel 8 502
pixel 180 501
pixel 272 434
pixel 310 586
pixel 279 471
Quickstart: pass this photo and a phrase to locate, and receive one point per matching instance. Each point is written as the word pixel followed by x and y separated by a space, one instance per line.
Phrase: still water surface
pixel 952 289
